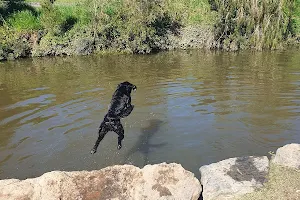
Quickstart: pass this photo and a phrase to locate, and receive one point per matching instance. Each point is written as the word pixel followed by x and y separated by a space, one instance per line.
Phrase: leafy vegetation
pixel 24 21
pixel 139 26
pixel 283 183
pixel 255 24
pixel 296 18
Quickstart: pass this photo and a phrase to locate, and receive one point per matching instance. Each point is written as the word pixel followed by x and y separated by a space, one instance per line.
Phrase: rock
pixel 233 177
pixel 21 49
pixel 161 181
pixel 189 37
pixel 196 37
pixel 288 155
pixel 2 54
pixel 84 46
pixel 10 56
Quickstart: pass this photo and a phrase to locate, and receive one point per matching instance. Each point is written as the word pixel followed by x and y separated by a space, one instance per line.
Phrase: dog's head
pixel 126 87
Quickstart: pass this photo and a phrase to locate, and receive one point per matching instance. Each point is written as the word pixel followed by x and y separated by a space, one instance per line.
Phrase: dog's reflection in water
pixel 143 144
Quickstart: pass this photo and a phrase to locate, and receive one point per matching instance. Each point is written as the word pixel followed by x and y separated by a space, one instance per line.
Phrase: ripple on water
pixel 40 100
pixel 189 106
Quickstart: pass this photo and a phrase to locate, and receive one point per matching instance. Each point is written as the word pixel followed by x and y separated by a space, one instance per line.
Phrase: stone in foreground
pixel 161 181
pixel 233 177
pixel 288 155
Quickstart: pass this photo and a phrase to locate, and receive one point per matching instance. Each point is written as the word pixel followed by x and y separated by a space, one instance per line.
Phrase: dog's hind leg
pixel 102 133
pixel 120 138
pixel 120 131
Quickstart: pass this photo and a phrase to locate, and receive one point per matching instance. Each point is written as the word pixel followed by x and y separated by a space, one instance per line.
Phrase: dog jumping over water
pixel 120 107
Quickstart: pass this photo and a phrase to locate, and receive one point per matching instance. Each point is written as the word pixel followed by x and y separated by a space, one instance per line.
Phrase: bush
pixel 263 24
pixel 51 18
pixel 61 19
pixel 296 18
pixel 134 25
pixel 7 36
pixel 191 11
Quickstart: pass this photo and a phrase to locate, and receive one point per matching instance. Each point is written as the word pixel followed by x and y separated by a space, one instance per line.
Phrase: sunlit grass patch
pixel 24 21
pixel 283 183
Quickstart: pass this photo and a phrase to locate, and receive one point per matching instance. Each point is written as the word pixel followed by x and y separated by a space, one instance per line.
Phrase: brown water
pixel 191 107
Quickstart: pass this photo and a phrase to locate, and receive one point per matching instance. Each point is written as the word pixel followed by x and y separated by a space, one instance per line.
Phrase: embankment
pixel 114 26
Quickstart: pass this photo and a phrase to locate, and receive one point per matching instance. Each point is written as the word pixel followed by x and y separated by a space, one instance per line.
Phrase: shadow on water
pixel 143 144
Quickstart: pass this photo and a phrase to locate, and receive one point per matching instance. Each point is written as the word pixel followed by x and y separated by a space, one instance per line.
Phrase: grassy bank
pixel 256 24
pixel 283 183
pixel 141 26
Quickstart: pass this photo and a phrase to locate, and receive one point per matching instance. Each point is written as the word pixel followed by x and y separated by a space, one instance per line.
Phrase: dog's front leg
pixel 102 133
pixel 127 111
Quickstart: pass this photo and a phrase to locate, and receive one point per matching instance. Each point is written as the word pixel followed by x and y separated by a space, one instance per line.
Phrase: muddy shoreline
pixel 38 44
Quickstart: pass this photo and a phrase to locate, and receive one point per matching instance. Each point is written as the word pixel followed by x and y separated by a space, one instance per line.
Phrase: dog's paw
pixel 119 147
pixel 93 151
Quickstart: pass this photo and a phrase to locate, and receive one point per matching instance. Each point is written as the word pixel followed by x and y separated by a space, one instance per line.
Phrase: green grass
pixel 63 18
pixel 192 11
pixel 139 25
pixel 296 18
pixel 57 1
pixel 283 183
pixel 81 14
pixel 24 21
pixel 259 25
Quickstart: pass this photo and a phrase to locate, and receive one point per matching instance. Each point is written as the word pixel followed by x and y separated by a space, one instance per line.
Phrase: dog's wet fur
pixel 119 107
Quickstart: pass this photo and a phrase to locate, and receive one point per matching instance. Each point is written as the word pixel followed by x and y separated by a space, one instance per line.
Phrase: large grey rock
pixel 288 155
pixel 196 37
pixel 233 177
pixel 189 37
pixel 161 181
pixel 84 46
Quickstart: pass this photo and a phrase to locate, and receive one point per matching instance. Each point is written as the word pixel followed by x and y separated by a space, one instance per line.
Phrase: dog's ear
pixel 119 85
pixel 122 87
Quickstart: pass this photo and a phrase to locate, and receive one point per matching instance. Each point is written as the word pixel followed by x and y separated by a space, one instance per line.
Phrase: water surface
pixel 191 107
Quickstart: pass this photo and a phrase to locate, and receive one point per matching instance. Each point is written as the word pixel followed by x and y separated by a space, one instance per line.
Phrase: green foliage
pixel 7 36
pixel 9 7
pixel 61 19
pixel 51 18
pixel 24 21
pixel 141 26
pixel 131 25
pixel 296 18
pixel 192 11
pixel 263 24
pixel 78 12
pixel 56 1
pixel 11 44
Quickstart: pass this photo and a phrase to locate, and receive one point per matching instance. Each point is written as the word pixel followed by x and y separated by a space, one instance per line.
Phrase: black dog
pixel 120 107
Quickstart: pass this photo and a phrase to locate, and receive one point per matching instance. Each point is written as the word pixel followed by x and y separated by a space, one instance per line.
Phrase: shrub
pixel 296 18
pixel 263 23
pixel 51 18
